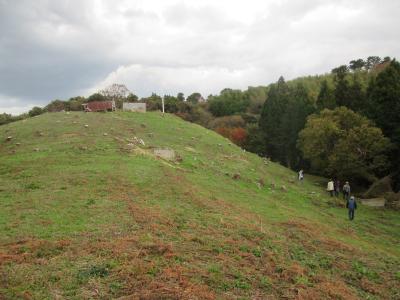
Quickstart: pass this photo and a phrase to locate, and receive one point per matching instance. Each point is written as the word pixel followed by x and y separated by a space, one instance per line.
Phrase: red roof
pixel 99 106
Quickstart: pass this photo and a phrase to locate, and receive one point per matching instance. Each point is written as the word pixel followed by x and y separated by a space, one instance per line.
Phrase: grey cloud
pixel 58 49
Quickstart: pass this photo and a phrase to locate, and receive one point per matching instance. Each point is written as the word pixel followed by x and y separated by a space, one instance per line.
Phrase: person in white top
pixel 301 175
pixel 331 187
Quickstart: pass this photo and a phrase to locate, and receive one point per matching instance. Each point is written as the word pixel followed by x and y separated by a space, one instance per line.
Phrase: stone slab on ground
pixel 374 202
pixel 165 153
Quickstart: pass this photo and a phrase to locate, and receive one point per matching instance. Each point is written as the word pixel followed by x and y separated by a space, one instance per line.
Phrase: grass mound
pixel 88 210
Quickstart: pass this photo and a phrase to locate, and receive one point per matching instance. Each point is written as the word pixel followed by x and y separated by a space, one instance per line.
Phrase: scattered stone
pixel 143 125
pixel 84 148
pixel 283 188
pixel 220 145
pixel 67 112
pixel 58 121
pixel 167 154
pixel 292 181
pixel 74 122
pixel 236 176
pixel 105 134
pixel 150 134
pixel 261 182
pixel 137 140
pixel 18 144
pixel 179 158
pixel 9 138
pixel 86 125
pixel 193 138
pixel 131 145
pixel 36 149
pixel 313 193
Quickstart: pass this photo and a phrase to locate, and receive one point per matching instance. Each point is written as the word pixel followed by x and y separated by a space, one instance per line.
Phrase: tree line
pixel 344 123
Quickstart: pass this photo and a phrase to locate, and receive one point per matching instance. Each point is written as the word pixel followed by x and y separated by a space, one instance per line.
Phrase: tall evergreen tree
pixel 271 119
pixel 326 98
pixel 357 96
pixel 284 115
pixel 342 87
pixel 357 64
pixel 384 109
pixel 384 94
pixel 299 107
pixel 372 61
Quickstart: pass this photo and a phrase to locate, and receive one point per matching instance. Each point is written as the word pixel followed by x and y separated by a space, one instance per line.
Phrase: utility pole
pixel 162 100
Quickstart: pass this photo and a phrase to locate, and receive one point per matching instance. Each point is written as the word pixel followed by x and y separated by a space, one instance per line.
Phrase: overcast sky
pixel 60 49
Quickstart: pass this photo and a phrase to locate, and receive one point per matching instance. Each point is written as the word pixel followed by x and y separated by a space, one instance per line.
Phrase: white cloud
pixel 168 80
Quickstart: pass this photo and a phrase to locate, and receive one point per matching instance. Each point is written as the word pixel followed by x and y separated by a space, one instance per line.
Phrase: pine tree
pixel 271 119
pixel 299 107
pixel 357 97
pixel 384 109
pixel 342 87
pixel 326 98
pixel 385 101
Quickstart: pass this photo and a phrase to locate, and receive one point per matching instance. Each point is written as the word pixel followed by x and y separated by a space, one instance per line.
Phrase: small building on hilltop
pixel 136 107
pixel 99 106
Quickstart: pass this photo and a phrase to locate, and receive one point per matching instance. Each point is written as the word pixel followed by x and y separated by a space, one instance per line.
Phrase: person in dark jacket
pixel 346 191
pixel 352 206
pixel 337 187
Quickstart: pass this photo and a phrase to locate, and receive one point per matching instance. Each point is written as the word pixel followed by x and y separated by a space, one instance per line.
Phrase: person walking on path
pixel 330 188
pixel 301 176
pixel 337 187
pixel 352 206
pixel 346 191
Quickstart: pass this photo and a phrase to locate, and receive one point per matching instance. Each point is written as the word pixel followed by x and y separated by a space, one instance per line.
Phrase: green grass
pixel 85 215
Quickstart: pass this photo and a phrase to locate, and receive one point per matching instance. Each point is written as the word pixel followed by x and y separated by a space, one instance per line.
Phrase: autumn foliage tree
pixel 237 135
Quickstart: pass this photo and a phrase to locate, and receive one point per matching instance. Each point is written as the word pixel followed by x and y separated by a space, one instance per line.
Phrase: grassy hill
pixel 88 212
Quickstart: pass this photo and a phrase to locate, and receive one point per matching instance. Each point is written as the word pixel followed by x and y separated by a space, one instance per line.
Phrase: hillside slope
pixel 89 212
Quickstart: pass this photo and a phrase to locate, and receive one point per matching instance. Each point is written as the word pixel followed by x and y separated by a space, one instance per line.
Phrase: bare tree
pixel 116 92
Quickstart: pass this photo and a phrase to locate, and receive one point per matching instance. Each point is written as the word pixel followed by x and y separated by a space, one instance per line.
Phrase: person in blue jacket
pixel 352 206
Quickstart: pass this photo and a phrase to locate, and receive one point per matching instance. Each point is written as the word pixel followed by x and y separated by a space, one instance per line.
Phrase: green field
pixel 86 212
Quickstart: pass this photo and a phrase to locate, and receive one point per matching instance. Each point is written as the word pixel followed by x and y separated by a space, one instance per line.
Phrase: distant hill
pixel 88 211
